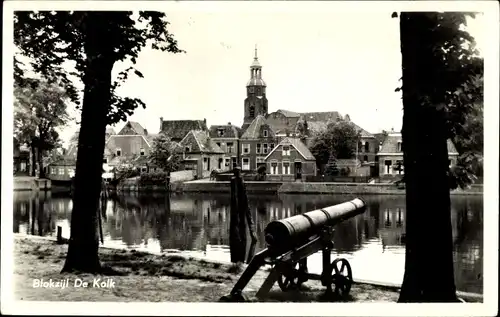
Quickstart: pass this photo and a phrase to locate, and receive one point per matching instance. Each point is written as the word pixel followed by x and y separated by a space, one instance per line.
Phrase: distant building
pixel 256 100
pixel 201 153
pixel 257 141
pixel 176 130
pixel 227 138
pixel 61 170
pixel 290 160
pixel 21 159
pixel 128 146
pixel 391 152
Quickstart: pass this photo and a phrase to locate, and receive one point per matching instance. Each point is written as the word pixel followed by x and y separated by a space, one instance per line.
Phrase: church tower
pixel 256 101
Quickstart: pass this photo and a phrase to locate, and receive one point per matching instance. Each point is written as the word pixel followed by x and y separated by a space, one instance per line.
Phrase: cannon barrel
pixel 285 233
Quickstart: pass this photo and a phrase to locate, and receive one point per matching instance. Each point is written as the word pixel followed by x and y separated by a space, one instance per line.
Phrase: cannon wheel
pixel 341 276
pixel 291 279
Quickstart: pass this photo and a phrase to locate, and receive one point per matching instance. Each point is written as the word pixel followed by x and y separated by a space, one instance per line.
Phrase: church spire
pixel 255 58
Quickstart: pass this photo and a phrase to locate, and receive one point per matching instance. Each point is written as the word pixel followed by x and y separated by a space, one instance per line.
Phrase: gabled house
pixel 290 160
pixel 257 141
pixel 127 146
pixel 176 130
pixel 21 159
pixel 227 138
pixel 201 153
pixel 391 154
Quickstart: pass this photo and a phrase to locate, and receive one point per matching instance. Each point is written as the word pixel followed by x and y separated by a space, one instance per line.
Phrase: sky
pixel 313 60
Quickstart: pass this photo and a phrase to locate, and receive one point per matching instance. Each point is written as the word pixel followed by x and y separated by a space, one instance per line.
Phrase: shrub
pixel 344 171
pixel 153 179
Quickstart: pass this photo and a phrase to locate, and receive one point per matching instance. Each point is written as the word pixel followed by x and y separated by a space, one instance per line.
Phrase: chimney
pixel 229 123
pixel 205 121
pixel 161 123
pixel 145 132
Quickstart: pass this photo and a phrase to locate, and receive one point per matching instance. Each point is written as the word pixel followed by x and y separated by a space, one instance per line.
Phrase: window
pixel 365 158
pixel 220 132
pixel 118 152
pixel 274 168
pixel 265 133
pixel 286 168
pixel 449 163
pixel 143 152
pixel 252 111
pixel 400 147
pixel 245 163
pixel 23 167
pixel 61 171
pixel 246 148
pixel 271 147
pixel 229 147
pixel 286 150
pixel 259 161
pixel 187 149
pixel 105 160
pixel 250 89
pixel 227 162
pixel 360 147
pixel 144 169
pixel 206 164
pixel 220 163
pixel 367 147
pixel 388 164
pixel 265 148
pixel 258 148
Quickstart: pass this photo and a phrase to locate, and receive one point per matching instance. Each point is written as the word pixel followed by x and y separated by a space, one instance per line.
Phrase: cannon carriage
pixel 291 241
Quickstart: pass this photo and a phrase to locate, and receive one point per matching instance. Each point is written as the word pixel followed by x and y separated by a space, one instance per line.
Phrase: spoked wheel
pixel 291 279
pixel 341 276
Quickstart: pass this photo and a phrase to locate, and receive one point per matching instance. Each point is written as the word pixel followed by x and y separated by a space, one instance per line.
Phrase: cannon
pixel 290 241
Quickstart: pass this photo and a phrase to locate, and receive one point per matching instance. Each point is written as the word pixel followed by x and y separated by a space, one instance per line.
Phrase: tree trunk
pixel 429 272
pixel 84 242
pixel 41 172
pixel 33 160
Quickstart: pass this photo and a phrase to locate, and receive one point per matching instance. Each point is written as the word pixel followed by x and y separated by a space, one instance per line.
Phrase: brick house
pixel 176 130
pixel 227 138
pixel 290 160
pixel 201 153
pixel 126 147
pixel 391 152
pixel 256 142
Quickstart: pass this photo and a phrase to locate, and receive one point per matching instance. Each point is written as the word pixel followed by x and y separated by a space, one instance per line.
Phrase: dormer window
pixel 265 133
pixel 143 152
pixel 118 152
pixel 187 149
pixel 220 132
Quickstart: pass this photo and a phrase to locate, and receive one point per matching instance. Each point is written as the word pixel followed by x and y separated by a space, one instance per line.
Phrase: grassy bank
pixel 143 277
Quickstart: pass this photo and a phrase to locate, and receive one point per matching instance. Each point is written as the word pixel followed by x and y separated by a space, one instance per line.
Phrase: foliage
pixel 399 167
pixel 340 139
pixel 261 173
pixel 331 167
pixel 52 38
pixel 345 171
pixel 165 153
pixel 153 179
pixel 39 109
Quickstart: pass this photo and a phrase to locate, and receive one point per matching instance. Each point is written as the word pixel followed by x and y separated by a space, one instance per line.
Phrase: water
pixel 199 225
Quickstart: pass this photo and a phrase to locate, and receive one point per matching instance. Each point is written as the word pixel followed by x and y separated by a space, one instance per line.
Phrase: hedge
pixel 153 179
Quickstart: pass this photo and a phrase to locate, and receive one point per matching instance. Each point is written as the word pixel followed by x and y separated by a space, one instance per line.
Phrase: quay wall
pixel 31 184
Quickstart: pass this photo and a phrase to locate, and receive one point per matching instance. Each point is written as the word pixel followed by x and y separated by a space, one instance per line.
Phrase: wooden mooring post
pixel 241 217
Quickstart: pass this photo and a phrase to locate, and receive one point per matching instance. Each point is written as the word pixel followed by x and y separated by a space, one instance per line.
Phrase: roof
pixel 110 130
pixel 134 126
pixel 178 129
pixel 129 144
pixel 281 122
pixel 228 130
pixel 390 145
pixel 289 114
pixel 324 116
pixel 254 129
pixel 298 145
pixel 65 161
pixel 347 162
pixel 200 142
pixel 363 132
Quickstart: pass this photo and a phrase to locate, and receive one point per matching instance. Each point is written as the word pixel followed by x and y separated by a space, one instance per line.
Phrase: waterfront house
pixel 227 138
pixel 201 153
pixel 21 159
pixel 256 143
pixel 391 154
pixel 176 130
pixel 290 160
pixel 126 147
pixel 62 170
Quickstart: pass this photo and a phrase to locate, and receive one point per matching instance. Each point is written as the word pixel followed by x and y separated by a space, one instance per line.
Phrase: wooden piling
pixel 59 235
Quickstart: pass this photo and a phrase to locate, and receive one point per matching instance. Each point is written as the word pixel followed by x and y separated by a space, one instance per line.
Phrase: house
pixel 131 143
pixel 61 170
pixel 290 160
pixel 227 138
pixel 176 130
pixel 256 143
pixel 391 154
pixel 21 159
pixel 201 153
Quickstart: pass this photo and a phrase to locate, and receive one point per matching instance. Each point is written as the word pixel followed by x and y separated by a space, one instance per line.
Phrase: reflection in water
pixel 200 224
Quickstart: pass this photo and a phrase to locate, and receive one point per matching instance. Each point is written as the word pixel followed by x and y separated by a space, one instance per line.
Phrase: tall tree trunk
pixel 41 172
pixel 429 273
pixel 33 160
pixel 84 242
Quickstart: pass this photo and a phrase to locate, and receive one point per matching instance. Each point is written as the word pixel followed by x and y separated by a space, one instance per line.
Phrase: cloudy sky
pixel 323 58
